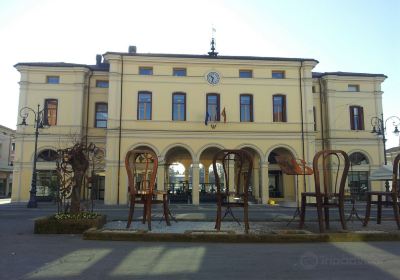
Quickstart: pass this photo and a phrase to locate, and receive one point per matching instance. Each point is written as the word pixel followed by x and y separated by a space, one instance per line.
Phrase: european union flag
pixel 207 118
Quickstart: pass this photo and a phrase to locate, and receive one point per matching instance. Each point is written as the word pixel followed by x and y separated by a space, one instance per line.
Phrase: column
pixel 256 182
pixel 161 177
pixel 264 183
pixel 195 183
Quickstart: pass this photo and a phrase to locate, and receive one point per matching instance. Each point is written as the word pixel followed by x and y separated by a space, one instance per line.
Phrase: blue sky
pixel 352 35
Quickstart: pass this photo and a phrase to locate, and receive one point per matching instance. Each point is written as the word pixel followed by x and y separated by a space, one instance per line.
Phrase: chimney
pixel 132 49
pixel 98 59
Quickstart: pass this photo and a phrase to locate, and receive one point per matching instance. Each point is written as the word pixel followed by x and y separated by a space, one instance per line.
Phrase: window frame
pixel 151 105
pixel 250 107
pixel 184 106
pixel 177 69
pixel 360 122
pixel 218 109
pixel 281 72
pixel 99 83
pixel 245 71
pixel 144 68
pixel 46 111
pixel 356 88
pixel 97 105
pixel 52 79
pixel 284 115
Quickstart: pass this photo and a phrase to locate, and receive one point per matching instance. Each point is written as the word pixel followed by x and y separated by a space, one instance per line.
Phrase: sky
pixel 343 35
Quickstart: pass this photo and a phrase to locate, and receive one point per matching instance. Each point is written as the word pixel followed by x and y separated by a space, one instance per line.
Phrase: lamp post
pixel 379 125
pixel 39 118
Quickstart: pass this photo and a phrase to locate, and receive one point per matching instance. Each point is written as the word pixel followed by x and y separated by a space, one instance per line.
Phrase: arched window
pixel 358 159
pixel 47 155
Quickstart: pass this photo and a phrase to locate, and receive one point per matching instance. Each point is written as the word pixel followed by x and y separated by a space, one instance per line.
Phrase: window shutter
pixel 361 117
pixel 352 117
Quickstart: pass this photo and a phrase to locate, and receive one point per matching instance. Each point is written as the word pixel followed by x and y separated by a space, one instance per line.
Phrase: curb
pixel 231 237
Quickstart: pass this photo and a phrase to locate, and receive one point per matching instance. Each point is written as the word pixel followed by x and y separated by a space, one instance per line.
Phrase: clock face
pixel 213 78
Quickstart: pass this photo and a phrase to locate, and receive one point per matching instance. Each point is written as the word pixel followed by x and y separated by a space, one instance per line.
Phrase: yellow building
pixel 187 107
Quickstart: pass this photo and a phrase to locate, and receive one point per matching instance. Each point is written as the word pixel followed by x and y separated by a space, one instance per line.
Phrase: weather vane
pixel 213 52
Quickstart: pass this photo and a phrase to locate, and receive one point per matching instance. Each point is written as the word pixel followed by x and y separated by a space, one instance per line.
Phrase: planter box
pixel 50 225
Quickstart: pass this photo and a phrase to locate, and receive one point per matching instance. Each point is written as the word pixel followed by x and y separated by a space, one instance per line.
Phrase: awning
pixel 383 173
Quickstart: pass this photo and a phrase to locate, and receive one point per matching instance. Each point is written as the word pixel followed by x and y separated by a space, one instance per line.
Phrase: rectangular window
pixel 50 111
pixel 101 115
pixel 353 88
pixel 179 107
pixel 356 118
pixel 53 79
pixel 313 89
pixel 13 147
pixel 180 72
pixel 213 106
pixel 101 83
pixel 279 108
pixel 278 74
pixel 245 73
pixel 145 70
pixel 246 108
pixel 144 105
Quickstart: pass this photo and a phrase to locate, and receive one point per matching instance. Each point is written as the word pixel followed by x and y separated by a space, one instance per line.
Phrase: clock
pixel 213 78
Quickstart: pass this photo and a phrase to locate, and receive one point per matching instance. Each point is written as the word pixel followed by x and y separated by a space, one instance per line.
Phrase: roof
pixel 100 67
pixel 346 74
pixel 213 57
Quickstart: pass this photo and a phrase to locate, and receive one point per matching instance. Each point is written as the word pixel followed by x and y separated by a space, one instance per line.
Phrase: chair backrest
pixel 241 163
pixel 335 168
pixel 396 172
pixel 141 167
pixel 292 166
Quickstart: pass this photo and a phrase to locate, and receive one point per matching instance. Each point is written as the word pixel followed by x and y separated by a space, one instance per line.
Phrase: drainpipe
pixel 321 114
pixel 87 125
pixel 302 119
pixel 120 129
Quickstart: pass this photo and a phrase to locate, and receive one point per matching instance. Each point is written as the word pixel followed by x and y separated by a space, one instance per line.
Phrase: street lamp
pixel 379 125
pixel 39 123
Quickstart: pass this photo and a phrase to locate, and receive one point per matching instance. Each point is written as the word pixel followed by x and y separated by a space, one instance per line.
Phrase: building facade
pixel 7 148
pixel 187 107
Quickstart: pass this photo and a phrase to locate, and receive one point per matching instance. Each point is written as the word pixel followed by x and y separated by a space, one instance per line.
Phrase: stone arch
pixel 178 145
pixel 205 147
pixel 283 146
pixel 143 144
pixel 41 149
pixel 364 153
pixel 253 147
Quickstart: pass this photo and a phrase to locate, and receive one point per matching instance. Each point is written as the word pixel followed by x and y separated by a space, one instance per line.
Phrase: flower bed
pixel 68 223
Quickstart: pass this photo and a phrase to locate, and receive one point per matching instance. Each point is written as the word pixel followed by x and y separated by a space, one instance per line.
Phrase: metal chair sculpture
pixel 327 197
pixel 393 194
pixel 236 188
pixel 292 166
pixel 141 166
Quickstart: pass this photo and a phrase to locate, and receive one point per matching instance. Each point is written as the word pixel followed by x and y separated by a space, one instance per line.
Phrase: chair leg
pixel 320 218
pixel 144 211
pixel 396 210
pixel 341 214
pixel 246 218
pixel 131 210
pixel 326 212
pixel 367 210
pixel 166 212
pixel 148 210
pixel 302 211
pixel 379 214
pixel 218 218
